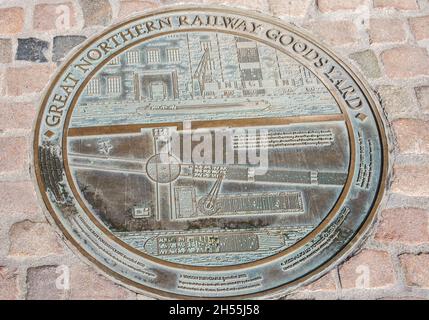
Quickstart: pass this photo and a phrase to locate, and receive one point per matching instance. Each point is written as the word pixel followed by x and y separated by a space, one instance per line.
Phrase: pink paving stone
pixel 420 27
pixel 397 4
pixel 416 269
pixel 254 4
pixel 8 284
pixel 27 80
pixel 336 5
pixel 41 284
pixel 260 5
pixel 12 195
pixel 33 239
pixel 2 83
pixel 13 155
pixel 386 30
pixel 86 284
pixel 129 8
pixel 58 16
pixel 335 32
pixel 405 62
pixel 404 225
pixel 293 8
pixel 411 180
pixel 11 20
pixel 412 136
pixel 17 115
pixel 368 269
pixel 325 283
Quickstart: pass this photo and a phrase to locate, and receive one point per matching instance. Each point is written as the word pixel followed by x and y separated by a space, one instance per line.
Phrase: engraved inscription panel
pixel 215 154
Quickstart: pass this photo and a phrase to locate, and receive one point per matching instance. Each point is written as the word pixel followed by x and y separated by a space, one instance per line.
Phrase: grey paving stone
pixel 367 61
pixel 63 45
pixel 96 12
pixel 32 49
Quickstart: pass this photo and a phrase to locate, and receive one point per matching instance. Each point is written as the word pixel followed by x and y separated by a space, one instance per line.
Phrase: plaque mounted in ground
pixel 209 152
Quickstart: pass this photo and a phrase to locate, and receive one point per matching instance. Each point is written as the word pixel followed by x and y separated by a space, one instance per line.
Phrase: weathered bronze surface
pixel 209 152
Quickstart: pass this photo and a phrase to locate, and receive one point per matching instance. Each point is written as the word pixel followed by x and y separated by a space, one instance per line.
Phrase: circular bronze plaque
pixel 209 152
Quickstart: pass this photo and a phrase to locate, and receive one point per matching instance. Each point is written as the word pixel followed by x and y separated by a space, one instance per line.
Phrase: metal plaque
pixel 209 152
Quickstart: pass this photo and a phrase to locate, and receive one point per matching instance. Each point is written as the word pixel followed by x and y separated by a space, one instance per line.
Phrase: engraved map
pixel 207 149
pixel 209 153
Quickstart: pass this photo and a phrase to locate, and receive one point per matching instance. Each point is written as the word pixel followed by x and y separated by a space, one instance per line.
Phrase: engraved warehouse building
pixel 212 66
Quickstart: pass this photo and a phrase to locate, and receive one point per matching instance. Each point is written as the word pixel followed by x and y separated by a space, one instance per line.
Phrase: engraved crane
pixel 200 72
pixel 207 204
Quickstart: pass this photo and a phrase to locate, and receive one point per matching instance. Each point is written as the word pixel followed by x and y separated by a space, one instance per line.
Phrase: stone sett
pixel 13 155
pixel 422 94
pixel 404 225
pixel 324 283
pixel 338 5
pixel 42 284
pixel 416 269
pixel 129 8
pixel 33 239
pixel 5 50
pixel 8 284
pixel 17 115
pixel 32 49
pixel 11 20
pixel 96 12
pixel 335 33
pixel 420 27
pixel 411 180
pixel 406 62
pixel 290 8
pixel 58 16
pixel 368 269
pixel 367 62
pixel 63 45
pixel 260 5
pixel 86 284
pixel 397 4
pixel 397 101
pixel 12 194
pixel 2 83
pixel 27 80
pixel 383 30
pixel 412 136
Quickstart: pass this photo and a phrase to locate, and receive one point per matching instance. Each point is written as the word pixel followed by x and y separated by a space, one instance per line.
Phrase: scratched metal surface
pixel 167 209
